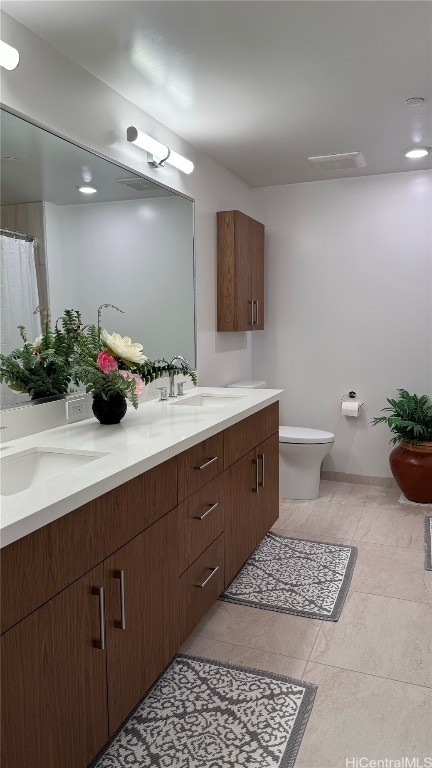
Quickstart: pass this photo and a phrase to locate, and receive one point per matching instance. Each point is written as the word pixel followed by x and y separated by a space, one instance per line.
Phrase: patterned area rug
pixel 206 714
pixel 428 543
pixel 307 578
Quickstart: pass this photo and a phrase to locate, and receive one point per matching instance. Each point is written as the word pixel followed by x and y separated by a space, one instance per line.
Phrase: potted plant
pixel 114 369
pixel 42 367
pixel 410 420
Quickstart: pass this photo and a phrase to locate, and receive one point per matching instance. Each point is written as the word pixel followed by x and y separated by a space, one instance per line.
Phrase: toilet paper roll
pixel 351 408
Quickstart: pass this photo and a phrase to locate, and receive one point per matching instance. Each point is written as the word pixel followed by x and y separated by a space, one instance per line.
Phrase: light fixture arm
pixel 158 163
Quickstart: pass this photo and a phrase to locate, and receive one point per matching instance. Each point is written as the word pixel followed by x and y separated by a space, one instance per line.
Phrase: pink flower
pixel 106 362
pixel 139 384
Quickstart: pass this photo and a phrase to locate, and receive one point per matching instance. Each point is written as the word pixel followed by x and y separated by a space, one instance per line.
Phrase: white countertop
pixel 144 438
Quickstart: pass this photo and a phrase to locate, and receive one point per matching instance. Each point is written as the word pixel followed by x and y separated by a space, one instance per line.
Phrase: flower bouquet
pixel 42 367
pixel 114 369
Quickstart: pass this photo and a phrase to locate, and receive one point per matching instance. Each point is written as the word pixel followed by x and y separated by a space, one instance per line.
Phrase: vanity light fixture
pixel 87 190
pixel 414 153
pixel 9 57
pixel 158 153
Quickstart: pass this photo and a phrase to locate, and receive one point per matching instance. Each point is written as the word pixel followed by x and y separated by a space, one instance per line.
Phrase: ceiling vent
pixel 343 162
pixel 138 184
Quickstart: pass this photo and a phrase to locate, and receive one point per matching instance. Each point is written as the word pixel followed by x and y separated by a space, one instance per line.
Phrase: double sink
pixel 22 470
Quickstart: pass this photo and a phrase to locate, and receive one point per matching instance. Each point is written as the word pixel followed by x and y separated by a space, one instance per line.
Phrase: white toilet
pixel 301 453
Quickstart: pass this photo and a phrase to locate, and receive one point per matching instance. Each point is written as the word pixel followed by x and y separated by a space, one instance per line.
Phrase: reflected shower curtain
pixel 19 299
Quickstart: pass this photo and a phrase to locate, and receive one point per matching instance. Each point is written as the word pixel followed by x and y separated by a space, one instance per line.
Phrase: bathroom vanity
pixel 107 568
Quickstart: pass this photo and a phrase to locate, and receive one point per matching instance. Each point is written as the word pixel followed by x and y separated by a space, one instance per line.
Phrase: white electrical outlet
pixel 76 410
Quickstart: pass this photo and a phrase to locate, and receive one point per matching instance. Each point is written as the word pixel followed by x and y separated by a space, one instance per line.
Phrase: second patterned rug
pixel 306 578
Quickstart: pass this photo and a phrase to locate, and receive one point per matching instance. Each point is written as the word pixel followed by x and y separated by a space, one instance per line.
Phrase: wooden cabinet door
pixel 267 511
pixel 240 514
pixel 141 614
pixel 240 273
pixel 256 251
pixel 54 682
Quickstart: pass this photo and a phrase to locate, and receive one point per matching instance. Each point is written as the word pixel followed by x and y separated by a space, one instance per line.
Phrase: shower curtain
pixel 19 299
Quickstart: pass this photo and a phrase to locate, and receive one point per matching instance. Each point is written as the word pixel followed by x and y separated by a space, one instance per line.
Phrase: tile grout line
pixel 251 648
pixel 370 674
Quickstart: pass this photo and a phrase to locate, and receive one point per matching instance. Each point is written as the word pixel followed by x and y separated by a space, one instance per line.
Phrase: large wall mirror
pixel 130 243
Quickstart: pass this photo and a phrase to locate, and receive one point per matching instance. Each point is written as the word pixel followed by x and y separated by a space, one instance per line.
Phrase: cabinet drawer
pixel 241 437
pixel 76 542
pixel 201 585
pixel 199 464
pixel 201 521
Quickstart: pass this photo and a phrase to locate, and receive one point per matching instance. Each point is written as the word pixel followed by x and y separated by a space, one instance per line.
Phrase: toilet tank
pixel 249 384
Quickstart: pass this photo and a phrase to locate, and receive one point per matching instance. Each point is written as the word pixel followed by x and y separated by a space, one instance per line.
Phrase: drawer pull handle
pixel 257 483
pixel 122 623
pixel 208 462
pixel 210 576
pixel 100 644
pixel 261 458
pixel 207 512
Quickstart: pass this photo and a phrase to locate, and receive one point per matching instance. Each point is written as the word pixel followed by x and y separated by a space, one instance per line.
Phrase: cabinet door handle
pixel 251 321
pixel 261 458
pixel 208 462
pixel 100 644
pixel 122 623
pixel 210 576
pixel 256 313
pixel 257 484
pixel 207 512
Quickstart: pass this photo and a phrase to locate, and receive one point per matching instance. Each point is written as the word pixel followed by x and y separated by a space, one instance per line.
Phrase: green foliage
pixel 150 371
pixel 42 368
pixel 86 370
pixel 410 418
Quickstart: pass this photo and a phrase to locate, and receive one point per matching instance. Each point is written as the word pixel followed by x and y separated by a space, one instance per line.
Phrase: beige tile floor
pixel 373 667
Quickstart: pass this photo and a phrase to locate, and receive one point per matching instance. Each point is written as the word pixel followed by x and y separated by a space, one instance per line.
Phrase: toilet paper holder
pixel 350 396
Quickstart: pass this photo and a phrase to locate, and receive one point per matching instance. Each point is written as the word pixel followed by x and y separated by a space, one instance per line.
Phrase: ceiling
pixel 260 86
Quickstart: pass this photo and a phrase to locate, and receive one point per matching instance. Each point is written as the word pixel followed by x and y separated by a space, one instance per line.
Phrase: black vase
pixel 110 411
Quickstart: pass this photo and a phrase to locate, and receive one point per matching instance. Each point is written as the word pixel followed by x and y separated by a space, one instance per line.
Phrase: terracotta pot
pixel 412 469
pixel 109 411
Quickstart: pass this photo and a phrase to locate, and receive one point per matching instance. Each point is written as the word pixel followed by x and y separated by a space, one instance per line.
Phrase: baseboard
pixel 344 477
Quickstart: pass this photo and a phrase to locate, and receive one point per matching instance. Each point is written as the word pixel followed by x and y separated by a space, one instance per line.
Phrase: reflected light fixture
pixel 414 153
pixel 158 153
pixel 85 189
pixel 9 57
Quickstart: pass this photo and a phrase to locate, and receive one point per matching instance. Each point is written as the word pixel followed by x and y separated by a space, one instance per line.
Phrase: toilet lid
pixel 304 435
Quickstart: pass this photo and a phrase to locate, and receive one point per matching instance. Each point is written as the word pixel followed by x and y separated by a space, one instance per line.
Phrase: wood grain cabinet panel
pixel 53 710
pixel 76 542
pixel 200 464
pixel 201 521
pixel 246 434
pixel 240 272
pixel 267 456
pixel 142 627
pixel 201 585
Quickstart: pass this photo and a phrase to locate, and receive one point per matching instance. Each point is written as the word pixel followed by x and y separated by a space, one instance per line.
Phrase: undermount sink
pixel 36 465
pixel 210 399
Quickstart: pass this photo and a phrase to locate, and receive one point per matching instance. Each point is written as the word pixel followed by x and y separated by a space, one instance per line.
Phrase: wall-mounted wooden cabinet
pixel 240 272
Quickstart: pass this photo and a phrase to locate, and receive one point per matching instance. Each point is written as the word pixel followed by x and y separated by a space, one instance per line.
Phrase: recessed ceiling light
pixel 414 153
pixel 86 190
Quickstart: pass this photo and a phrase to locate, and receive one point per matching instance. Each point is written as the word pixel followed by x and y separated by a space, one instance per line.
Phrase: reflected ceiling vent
pixel 343 162
pixel 139 185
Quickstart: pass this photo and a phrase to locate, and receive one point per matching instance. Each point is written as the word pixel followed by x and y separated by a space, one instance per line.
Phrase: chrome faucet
pixel 171 375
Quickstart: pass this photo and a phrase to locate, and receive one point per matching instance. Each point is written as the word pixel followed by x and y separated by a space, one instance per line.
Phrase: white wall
pixel 51 89
pixel 348 304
